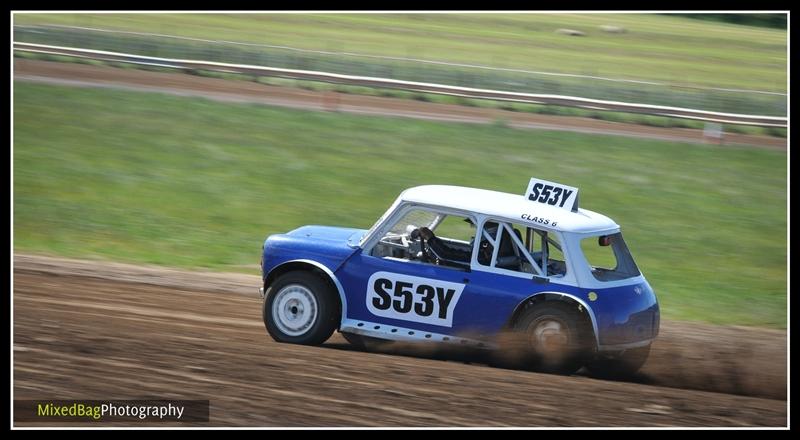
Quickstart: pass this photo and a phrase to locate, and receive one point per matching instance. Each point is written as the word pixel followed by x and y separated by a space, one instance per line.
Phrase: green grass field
pixel 187 182
pixel 656 47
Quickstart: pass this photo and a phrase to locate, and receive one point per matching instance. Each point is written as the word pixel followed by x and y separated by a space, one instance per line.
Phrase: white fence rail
pixel 568 101
pixel 391 58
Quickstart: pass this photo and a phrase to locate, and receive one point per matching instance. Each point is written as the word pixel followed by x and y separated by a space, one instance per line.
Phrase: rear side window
pixel 609 257
pixel 529 250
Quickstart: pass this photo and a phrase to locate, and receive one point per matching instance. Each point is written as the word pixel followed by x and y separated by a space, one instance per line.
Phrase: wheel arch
pixel 542 297
pixel 312 266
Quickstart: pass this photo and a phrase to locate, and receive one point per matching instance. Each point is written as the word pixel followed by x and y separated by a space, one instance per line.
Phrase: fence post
pixel 712 133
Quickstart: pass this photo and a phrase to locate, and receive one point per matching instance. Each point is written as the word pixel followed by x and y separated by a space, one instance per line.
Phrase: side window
pixel 500 250
pixel 396 243
pixel 532 251
pixel 609 257
pixel 429 236
pixel 509 254
pixel 456 228
pixel 597 255
pixel 546 250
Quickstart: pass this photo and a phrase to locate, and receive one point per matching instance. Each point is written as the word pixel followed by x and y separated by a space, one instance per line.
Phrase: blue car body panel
pixel 325 245
pixel 621 315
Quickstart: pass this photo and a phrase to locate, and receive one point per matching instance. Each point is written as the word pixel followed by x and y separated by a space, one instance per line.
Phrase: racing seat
pixel 507 257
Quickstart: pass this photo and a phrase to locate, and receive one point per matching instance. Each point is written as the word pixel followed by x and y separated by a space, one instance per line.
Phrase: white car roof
pixel 508 206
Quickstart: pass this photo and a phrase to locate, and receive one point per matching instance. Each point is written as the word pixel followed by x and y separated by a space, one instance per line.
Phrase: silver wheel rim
pixel 294 310
pixel 550 336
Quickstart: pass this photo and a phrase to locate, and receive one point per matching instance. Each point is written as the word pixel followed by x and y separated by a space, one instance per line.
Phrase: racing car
pixel 466 266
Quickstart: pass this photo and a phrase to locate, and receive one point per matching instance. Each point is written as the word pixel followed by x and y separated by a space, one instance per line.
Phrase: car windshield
pixel 609 257
pixel 379 222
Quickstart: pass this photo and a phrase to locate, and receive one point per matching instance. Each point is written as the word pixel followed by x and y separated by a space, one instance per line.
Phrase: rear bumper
pixel 627 317
pixel 623 328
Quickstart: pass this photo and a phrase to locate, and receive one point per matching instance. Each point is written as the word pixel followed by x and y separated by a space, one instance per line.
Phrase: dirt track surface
pixel 116 332
pixel 244 91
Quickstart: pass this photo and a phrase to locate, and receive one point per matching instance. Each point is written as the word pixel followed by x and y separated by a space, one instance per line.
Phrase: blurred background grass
pixel 149 178
pixel 660 47
pixel 629 118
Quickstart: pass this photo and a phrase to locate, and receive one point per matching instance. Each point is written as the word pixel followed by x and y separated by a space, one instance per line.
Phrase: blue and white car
pixel 467 266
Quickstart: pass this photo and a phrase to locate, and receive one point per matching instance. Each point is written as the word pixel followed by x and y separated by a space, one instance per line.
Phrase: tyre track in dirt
pixel 92 335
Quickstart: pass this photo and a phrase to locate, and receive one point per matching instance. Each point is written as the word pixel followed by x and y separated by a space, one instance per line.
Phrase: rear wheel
pixel 624 365
pixel 553 336
pixel 300 308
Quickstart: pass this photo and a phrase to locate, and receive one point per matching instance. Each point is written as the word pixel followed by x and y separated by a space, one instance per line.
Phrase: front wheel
pixel 621 366
pixel 300 308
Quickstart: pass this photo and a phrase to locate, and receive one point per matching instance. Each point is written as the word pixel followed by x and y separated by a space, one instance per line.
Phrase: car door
pixel 501 274
pixel 401 293
pixel 419 296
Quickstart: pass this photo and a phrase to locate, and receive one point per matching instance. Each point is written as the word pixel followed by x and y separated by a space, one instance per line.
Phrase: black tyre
pixel 365 343
pixel 553 337
pixel 300 308
pixel 621 366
